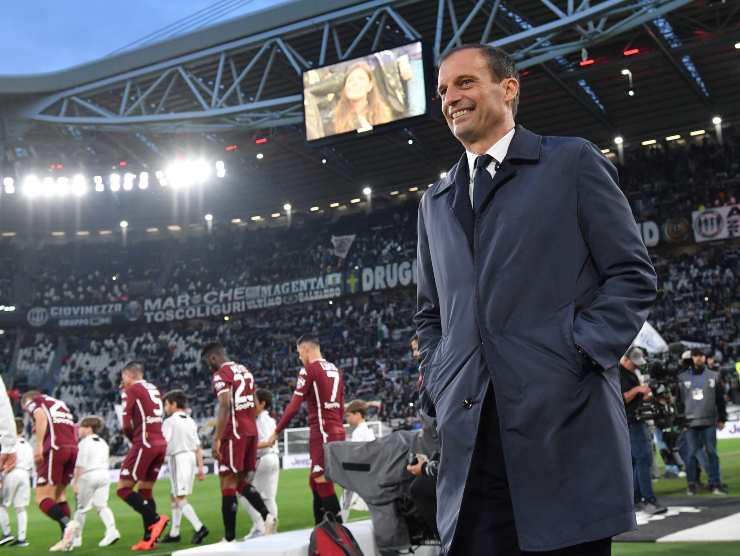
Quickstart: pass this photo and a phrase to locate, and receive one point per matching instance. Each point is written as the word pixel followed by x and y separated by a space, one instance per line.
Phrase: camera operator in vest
pixel 635 393
pixel 703 401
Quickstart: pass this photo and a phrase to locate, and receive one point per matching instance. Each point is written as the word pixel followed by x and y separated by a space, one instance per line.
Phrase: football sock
pixel 254 498
pixel 189 512
pixel 22 518
pixel 228 511
pixel 4 521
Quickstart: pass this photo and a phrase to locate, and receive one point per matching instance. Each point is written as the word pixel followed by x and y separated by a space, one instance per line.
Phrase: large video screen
pixel 359 95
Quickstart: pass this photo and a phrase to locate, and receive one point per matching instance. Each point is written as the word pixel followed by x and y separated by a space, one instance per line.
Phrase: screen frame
pixel 427 64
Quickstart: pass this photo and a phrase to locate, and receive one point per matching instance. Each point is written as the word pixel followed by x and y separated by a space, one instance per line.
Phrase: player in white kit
pixel 268 465
pixel 356 411
pixel 92 480
pixel 185 461
pixel 16 491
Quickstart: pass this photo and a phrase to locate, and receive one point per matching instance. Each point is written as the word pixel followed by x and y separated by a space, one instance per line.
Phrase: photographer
pixel 634 394
pixel 424 488
pixel 704 409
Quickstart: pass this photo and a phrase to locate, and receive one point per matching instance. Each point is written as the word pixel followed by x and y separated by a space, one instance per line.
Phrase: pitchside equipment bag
pixel 330 538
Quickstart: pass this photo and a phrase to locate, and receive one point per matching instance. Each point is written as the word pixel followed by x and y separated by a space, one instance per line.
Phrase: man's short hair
pixel 357 406
pixel 93 422
pixel 211 347
pixel 28 396
pixel 136 367
pixel 500 64
pixel 264 396
pixel 177 397
pixel 19 425
pixel 309 338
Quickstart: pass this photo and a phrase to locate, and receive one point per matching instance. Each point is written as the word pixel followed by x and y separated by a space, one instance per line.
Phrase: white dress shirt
pixel 497 151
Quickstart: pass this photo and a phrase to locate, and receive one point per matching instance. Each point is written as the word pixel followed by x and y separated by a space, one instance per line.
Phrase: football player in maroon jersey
pixel 55 455
pixel 235 440
pixel 142 425
pixel 321 385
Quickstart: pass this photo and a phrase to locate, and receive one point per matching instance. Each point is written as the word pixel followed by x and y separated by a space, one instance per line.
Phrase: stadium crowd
pixel 366 335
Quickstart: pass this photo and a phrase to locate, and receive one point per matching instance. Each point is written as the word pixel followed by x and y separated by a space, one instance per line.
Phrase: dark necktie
pixel 483 180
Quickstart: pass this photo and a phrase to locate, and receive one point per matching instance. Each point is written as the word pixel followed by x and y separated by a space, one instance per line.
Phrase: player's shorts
pixel 16 491
pixel 316 450
pixel 237 455
pixel 57 467
pixel 142 463
pixel 94 490
pixel 182 473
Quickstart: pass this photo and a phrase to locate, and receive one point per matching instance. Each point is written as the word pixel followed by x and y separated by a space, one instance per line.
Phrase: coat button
pixel 467 403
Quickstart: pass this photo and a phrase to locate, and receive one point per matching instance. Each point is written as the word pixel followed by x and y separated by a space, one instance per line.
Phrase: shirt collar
pixel 497 151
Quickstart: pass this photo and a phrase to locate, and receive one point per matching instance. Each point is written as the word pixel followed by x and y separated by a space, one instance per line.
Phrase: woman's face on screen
pixel 357 85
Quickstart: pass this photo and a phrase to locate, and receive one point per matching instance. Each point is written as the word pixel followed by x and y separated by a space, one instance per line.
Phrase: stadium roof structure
pixel 241 80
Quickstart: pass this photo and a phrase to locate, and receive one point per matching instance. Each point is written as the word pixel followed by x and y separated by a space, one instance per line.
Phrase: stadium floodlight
pixel 79 185
pixel 115 182
pixel 208 218
pixel 626 72
pixel 220 169
pixel 673 137
pixel 48 187
pixel 31 186
pixel 410 141
pixel 716 120
pixel 256 218
pixel 355 201
pixel 323 161
pixel 287 207
pixel 201 169
pixel 697 132
pixel 276 215
pixel 648 142
pixel 333 205
pixel 123 224
pixel 314 209
pixel 442 175
pixel 9 185
pixel 62 187
pixel 413 189
pixel 618 140
pixel 260 156
pixel 128 181
pixel 366 191
pixel 144 180
pixel 737 45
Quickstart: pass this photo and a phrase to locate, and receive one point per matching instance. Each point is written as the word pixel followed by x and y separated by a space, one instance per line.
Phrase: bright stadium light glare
pixel 287 207
pixel 260 156
pixel 115 182
pixel 220 169
pixel 716 120
pixel 31 186
pixel 62 187
pixel 208 217
pixel 9 185
pixel 48 186
pixel 442 175
pixel 180 174
pixel 202 170
pixel 144 180
pixel 128 181
pixel 366 191
pixel 79 185
pixel 123 224
pixel 618 140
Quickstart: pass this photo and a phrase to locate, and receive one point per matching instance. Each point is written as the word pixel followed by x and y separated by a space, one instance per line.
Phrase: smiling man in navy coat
pixel 533 280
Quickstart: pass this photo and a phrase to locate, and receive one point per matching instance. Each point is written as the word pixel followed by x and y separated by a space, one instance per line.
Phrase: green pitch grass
pixel 294 503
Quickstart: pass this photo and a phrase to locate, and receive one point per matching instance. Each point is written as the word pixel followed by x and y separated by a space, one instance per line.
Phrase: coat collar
pixel 525 147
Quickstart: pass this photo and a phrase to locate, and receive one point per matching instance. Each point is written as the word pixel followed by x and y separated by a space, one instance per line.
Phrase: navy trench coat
pixel 552 261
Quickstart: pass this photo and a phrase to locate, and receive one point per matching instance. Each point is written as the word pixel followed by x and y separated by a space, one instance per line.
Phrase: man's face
pixel 85 432
pixel 415 349
pixel 126 379
pixel 699 360
pixel 473 102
